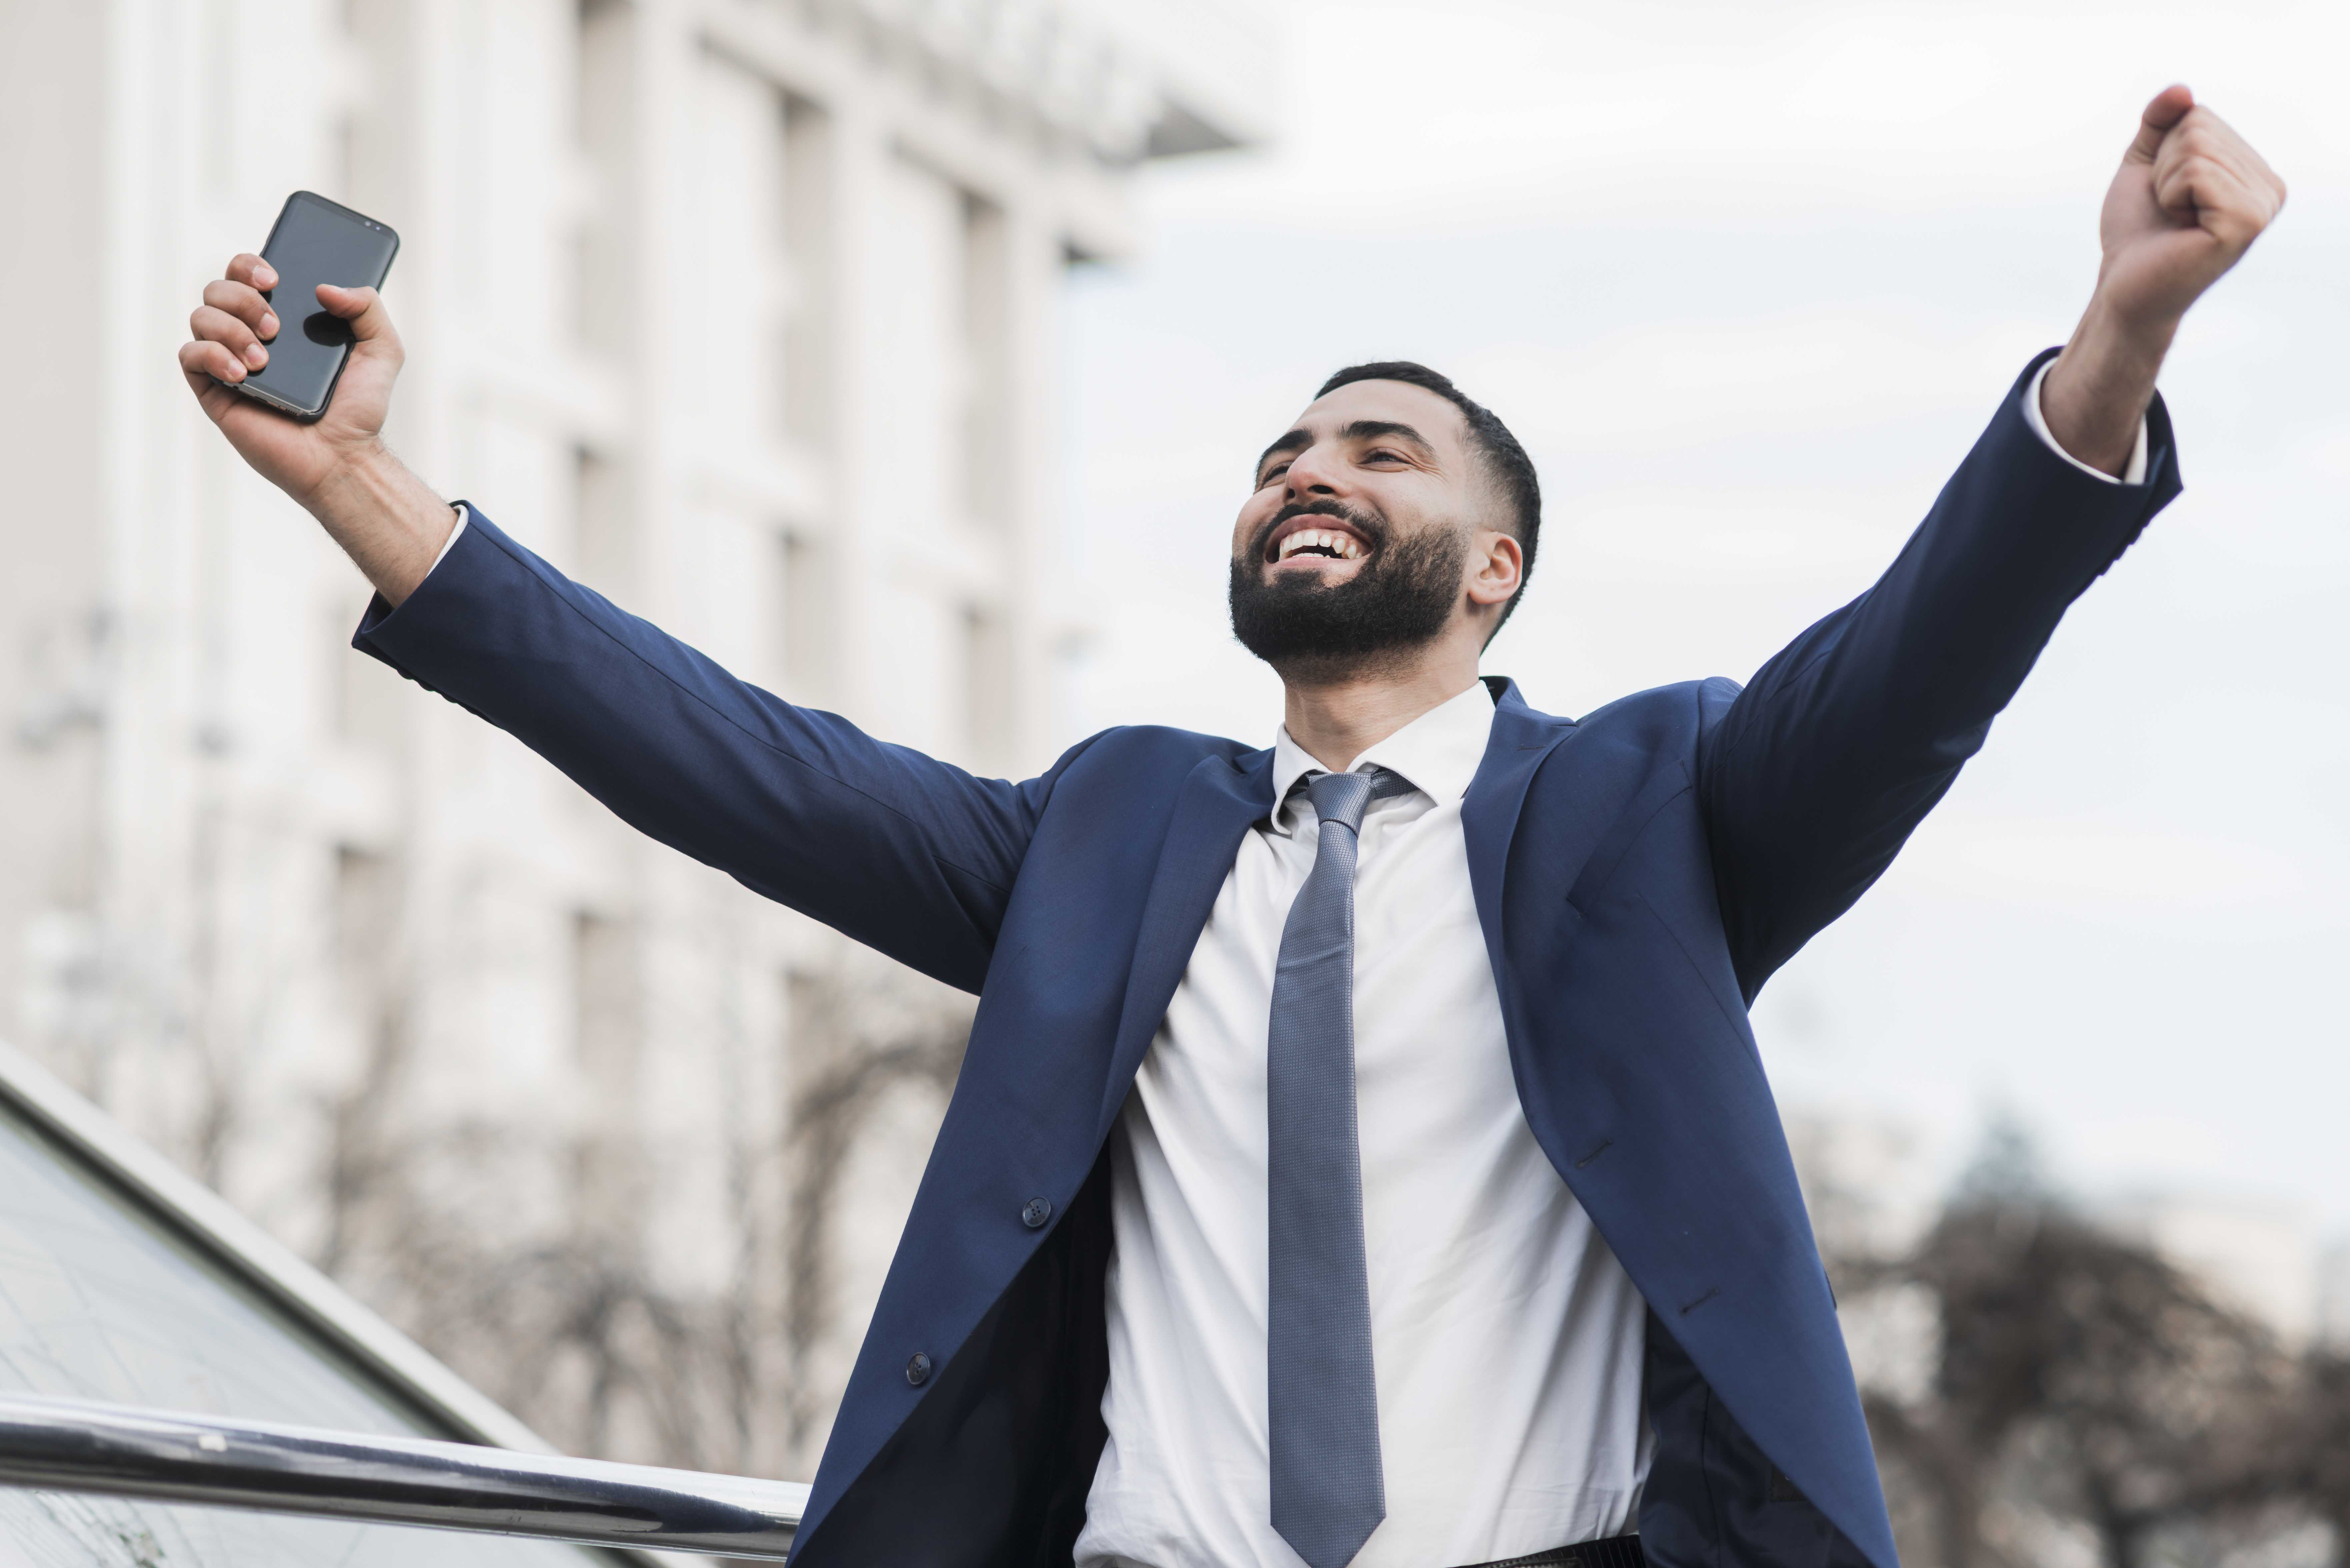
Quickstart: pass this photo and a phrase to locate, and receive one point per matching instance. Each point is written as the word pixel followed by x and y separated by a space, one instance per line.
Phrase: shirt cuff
pixel 465 513
pixel 2132 474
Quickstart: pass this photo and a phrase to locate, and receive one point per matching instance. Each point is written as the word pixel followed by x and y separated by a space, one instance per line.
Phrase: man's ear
pixel 1496 567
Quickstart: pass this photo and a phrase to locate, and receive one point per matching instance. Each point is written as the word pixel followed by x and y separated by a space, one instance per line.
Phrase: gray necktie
pixel 1329 1494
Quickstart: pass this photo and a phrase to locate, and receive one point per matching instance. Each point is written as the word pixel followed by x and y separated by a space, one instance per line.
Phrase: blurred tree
pixel 2313 1441
pixel 2079 1377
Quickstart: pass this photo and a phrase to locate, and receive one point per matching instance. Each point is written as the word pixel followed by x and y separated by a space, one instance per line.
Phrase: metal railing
pixel 60 1445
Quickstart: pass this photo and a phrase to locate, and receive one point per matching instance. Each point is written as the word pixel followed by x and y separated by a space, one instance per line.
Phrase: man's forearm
pixel 2098 391
pixel 386 519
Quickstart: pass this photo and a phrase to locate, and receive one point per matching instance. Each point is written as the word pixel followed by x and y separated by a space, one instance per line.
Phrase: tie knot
pixel 1343 798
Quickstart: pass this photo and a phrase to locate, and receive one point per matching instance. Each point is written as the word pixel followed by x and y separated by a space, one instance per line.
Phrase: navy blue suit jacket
pixel 1638 875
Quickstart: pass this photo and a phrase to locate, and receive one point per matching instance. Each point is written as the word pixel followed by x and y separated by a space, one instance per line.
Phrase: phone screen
pixel 314 242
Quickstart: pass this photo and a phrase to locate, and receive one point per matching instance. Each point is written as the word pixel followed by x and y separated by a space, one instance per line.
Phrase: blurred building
pixel 741 311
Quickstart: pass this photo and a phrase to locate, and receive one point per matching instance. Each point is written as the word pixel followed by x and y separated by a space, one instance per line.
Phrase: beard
pixel 1397 601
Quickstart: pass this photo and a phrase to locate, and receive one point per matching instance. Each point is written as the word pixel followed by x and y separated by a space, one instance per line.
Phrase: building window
pixel 809 385
pixel 607 1045
pixel 985 389
pixel 367 925
pixel 733 351
pixel 604 122
pixel 987 701
pixel 607 1002
pixel 605 554
pixel 801 616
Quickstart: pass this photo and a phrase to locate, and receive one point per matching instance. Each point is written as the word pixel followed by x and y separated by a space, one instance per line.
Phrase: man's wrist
pixel 386 519
pixel 359 477
pixel 2097 392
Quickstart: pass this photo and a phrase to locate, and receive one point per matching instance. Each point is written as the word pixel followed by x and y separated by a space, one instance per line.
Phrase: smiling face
pixel 1374 531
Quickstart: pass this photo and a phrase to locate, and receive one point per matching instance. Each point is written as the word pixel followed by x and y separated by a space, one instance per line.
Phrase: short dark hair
pixel 1505 461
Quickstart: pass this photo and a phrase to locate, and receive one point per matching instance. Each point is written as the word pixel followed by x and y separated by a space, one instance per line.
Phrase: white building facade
pixel 742 312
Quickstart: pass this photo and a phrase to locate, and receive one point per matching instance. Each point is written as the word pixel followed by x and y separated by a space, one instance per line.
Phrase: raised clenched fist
pixel 2189 200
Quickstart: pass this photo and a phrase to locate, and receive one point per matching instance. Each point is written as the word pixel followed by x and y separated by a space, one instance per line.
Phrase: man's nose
pixel 1311 474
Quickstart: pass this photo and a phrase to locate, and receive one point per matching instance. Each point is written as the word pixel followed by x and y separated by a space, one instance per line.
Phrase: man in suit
pixel 1361 1154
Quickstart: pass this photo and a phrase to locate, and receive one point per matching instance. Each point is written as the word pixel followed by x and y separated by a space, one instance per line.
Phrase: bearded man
pixel 1361 1154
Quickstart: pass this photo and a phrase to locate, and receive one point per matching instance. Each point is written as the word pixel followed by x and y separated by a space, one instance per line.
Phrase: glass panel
pixel 98 1299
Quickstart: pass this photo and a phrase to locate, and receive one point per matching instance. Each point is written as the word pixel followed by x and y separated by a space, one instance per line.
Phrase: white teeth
pixel 1344 546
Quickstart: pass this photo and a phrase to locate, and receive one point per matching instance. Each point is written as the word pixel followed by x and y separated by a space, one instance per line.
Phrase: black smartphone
pixel 315 241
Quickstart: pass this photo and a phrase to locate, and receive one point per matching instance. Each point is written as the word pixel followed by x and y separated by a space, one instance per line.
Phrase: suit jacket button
pixel 1039 1210
pixel 917 1370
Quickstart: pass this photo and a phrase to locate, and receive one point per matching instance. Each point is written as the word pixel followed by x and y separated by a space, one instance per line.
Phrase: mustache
pixel 1369 525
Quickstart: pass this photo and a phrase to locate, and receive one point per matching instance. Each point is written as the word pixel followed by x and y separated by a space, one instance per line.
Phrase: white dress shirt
pixel 1506 1340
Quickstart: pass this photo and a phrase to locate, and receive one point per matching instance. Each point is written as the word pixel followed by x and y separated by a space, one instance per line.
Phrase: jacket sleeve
pixel 1813 776
pixel 897 850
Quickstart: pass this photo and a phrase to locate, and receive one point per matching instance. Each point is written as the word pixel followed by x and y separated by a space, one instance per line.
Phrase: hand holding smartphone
pixel 335 343
pixel 315 241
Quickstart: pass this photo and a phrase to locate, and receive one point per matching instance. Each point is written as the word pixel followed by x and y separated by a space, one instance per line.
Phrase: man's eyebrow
pixel 1373 430
pixel 1295 441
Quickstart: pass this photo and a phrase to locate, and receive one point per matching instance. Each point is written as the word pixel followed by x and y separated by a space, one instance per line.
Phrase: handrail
pixel 70 1445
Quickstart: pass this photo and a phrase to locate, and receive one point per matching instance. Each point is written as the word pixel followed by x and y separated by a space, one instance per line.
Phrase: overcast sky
pixel 1747 281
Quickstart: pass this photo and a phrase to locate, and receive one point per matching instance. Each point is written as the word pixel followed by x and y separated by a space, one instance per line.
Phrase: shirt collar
pixel 1440 752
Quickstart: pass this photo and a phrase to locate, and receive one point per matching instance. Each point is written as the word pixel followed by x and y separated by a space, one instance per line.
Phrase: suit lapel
pixel 1521 738
pixel 1214 809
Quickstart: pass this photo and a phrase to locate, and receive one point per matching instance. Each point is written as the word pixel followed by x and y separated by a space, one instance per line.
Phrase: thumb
pixel 363 308
pixel 2167 109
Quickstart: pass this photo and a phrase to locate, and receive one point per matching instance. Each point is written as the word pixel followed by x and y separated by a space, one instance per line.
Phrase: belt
pixel 1615 1551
